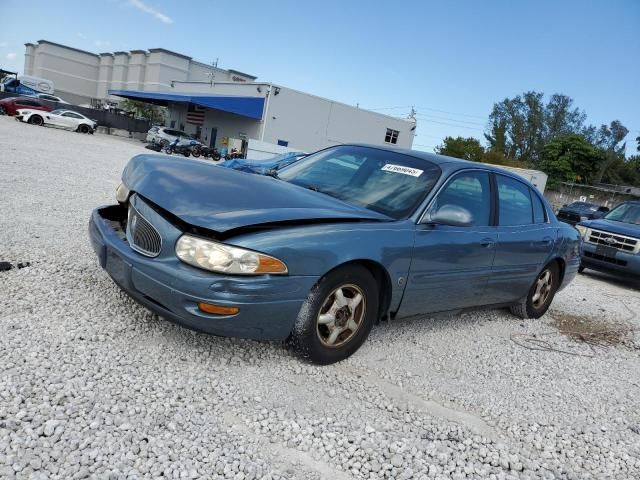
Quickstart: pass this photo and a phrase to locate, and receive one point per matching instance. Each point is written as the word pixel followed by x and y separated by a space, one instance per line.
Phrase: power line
pixel 431 109
pixel 450 119
pixel 451 124
pixel 452 113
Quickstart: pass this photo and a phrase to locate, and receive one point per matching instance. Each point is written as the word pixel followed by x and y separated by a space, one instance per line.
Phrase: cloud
pixel 105 43
pixel 143 7
pixel 4 44
pixel 82 36
pixel 11 56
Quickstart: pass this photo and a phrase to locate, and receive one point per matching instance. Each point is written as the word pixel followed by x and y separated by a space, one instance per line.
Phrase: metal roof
pixel 250 107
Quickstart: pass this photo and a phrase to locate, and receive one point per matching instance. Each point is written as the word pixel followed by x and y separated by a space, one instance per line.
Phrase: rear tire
pixel 540 295
pixel 337 316
pixel 580 269
pixel 36 120
pixel 3 111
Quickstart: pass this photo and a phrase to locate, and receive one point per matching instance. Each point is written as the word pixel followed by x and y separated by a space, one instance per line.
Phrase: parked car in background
pixel 58 118
pixel 264 167
pixel 612 243
pixel 164 136
pixel 580 211
pixel 51 98
pixel 340 239
pixel 9 106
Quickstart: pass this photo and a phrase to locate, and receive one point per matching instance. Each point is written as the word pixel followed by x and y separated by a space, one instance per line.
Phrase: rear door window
pixel 514 202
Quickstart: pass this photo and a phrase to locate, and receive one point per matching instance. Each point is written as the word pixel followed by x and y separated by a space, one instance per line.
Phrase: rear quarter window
pixel 539 215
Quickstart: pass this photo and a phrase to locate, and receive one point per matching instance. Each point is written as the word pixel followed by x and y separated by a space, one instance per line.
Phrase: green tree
pixel 520 127
pixel 609 139
pixel 570 158
pixel 151 112
pixel 459 147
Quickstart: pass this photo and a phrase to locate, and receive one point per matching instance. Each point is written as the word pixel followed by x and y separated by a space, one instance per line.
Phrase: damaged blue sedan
pixel 322 250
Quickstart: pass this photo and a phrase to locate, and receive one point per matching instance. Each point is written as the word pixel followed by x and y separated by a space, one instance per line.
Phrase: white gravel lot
pixel 94 386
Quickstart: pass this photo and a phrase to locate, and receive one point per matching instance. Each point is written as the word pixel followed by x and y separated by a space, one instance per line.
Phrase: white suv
pixel 165 135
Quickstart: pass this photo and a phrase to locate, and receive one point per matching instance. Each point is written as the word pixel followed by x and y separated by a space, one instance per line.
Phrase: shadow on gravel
pixel 618 281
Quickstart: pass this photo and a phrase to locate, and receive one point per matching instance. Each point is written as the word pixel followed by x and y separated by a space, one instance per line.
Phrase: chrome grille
pixel 142 236
pixel 620 242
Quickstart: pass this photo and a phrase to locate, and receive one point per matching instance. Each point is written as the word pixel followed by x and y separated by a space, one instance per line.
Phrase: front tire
pixel 540 295
pixel 36 120
pixel 337 316
pixel 83 129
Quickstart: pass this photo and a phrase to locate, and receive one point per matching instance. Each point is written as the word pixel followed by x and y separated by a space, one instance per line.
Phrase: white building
pixel 224 108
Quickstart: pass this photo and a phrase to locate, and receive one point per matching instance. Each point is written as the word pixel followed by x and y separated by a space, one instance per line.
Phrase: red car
pixel 10 105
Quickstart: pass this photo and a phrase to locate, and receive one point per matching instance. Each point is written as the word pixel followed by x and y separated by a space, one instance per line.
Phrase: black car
pixel 580 211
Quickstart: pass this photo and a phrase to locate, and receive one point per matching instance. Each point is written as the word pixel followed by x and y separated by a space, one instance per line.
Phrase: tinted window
pixel 28 103
pixel 514 202
pixel 387 182
pixel 471 191
pixel 538 208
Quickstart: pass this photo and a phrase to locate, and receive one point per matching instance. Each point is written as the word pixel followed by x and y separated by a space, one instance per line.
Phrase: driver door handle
pixel 487 242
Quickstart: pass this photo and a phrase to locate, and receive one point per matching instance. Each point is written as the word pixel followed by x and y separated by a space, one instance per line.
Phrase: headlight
pixel 122 193
pixel 223 258
pixel 583 230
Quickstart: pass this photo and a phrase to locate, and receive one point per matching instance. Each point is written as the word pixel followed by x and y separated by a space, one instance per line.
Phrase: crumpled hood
pixel 202 194
pixel 620 228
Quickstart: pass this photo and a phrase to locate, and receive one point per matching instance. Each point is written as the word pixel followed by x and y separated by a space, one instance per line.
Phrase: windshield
pixel 626 213
pixel 386 182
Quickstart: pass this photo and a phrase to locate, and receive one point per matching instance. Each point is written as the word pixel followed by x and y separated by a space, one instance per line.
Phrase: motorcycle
pixel 206 152
pixel 156 147
pixel 184 147
pixel 234 153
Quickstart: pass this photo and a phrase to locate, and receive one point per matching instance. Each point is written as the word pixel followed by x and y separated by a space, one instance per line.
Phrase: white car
pixel 58 118
pixel 51 98
pixel 164 135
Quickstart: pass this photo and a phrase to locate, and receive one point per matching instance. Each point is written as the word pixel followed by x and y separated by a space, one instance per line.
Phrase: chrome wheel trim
pixel 341 315
pixel 542 289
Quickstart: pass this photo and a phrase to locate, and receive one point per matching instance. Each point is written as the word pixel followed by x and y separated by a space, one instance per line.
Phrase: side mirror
pixel 452 215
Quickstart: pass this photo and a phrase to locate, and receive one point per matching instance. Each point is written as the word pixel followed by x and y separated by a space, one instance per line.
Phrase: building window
pixel 283 143
pixel 391 136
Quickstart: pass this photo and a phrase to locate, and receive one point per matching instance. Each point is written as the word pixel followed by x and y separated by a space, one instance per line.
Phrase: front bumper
pixel 622 263
pixel 268 304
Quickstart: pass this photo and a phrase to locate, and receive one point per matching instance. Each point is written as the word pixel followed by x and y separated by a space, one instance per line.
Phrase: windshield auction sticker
pixel 390 167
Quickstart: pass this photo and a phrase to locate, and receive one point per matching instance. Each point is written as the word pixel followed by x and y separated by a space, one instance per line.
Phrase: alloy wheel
pixel 543 289
pixel 341 315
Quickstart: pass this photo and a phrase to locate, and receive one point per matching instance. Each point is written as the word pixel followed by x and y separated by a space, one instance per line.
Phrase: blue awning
pixel 251 107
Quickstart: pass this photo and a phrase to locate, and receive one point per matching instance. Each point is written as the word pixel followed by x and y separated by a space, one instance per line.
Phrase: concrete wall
pixel 566 194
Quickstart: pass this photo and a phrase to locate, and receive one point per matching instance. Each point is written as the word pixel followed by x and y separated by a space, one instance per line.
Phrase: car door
pixel 451 264
pixel 54 118
pixel 525 240
pixel 70 120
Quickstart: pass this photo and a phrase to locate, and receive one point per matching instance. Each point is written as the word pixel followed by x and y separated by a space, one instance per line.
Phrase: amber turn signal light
pixel 218 309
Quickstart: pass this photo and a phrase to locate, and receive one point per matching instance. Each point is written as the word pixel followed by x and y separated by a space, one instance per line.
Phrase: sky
pixel 451 60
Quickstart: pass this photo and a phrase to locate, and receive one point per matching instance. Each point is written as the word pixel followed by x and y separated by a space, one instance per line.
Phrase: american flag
pixel 195 114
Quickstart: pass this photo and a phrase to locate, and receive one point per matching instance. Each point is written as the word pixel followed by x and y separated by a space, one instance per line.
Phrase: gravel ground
pixel 94 386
